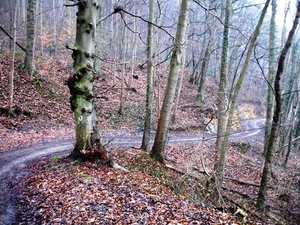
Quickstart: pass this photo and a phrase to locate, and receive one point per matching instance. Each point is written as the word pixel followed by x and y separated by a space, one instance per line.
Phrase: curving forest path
pixel 13 162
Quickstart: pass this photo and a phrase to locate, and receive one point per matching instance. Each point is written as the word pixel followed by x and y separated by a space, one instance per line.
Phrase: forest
pixel 149 112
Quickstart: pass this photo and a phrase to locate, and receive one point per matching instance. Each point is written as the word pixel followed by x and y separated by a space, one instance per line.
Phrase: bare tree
pixel 222 107
pixel 150 68
pixel 277 114
pixel 81 83
pixel 272 61
pixel 12 70
pixel 158 148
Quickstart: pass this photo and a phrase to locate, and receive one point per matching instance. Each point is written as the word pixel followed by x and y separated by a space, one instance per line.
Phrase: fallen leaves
pixel 65 193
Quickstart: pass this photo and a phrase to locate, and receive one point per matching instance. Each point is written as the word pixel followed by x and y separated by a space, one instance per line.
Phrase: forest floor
pixel 59 190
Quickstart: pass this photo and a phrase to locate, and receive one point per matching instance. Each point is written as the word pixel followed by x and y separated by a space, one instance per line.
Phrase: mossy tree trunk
pixel 30 39
pixel 277 114
pixel 158 148
pixel 271 76
pixel 222 108
pixel 225 118
pixel 297 125
pixel 238 87
pixel 81 83
pixel 150 69
pixel 289 103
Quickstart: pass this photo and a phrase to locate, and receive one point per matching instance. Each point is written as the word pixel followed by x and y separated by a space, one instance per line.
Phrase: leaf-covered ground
pixel 61 191
pixel 42 110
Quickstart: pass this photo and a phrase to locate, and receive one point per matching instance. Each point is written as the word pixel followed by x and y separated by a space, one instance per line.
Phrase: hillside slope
pixel 42 107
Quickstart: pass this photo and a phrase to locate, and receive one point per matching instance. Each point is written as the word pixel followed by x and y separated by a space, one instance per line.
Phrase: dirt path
pixel 12 163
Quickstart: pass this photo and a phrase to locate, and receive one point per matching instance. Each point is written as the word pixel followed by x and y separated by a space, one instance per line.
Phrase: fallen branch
pixel 237 192
pixel 181 172
pixel 242 182
pixel 175 169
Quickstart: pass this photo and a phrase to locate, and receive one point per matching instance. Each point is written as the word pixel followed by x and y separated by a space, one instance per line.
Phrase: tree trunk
pixel 30 39
pixel 272 61
pixel 241 78
pixel 81 83
pixel 23 11
pixel 297 126
pixel 206 59
pixel 123 65
pixel 134 49
pixel 222 108
pixel 54 41
pixel 283 32
pixel 195 78
pixel 289 99
pixel 97 63
pixel 204 67
pixel 150 68
pixel 276 117
pixel 223 133
pixel 178 96
pixel 41 27
pixel 158 148
pixel 12 70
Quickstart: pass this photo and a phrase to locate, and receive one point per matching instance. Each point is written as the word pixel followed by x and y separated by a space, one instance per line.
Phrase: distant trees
pixel 208 47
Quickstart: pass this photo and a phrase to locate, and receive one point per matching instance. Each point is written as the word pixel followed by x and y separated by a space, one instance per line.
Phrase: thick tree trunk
pixel 81 83
pixel 150 69
pixel 158 148
pixel 30 39
pixel 277 113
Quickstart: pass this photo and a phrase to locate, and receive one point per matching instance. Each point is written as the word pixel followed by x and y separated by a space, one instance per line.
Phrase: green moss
pixel 156 157
pixel 55 159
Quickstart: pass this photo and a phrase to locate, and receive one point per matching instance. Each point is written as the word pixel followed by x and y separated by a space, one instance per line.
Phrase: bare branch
pixel 261 69
pixel 2 28
pixel 147 21
pixel 105 17
pixel 117 9
pixel 132 30
pixel 208 10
